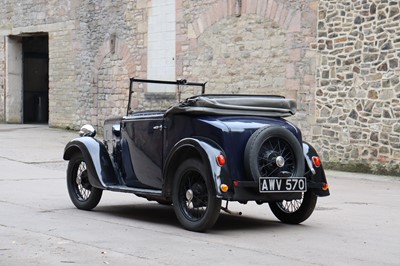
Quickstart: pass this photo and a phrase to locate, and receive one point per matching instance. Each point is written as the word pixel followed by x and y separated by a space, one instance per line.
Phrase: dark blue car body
pixel 143 153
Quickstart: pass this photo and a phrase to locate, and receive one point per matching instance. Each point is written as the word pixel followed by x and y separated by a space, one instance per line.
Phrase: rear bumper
pixel 249 191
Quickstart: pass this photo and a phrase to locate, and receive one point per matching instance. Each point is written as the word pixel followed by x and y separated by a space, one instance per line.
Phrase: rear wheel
pixel 83 195
pixel 294 211
pixel 195 204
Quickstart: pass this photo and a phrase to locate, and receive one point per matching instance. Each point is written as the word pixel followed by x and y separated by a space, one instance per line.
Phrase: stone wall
pixel 338 59
pixel 2 78
pixel 111 50
pixel 357 99
pixel 63 93
pixel 56 18
pixel 281 65
pixel 94 48
pixel 258 47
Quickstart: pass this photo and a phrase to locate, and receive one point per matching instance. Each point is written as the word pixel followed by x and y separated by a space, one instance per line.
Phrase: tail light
pixel 224 187
pixel 316 161
pixel 221 160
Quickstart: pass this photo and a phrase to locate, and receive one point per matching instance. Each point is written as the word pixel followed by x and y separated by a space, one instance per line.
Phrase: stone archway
pixel 247 56
pixel 111 72
pixel 292 29
pixel 277 58
pixel 284 16
pixel 285 22
pixel 112 89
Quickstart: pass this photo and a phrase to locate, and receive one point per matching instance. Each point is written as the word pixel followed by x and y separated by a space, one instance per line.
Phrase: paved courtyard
pixel 357 225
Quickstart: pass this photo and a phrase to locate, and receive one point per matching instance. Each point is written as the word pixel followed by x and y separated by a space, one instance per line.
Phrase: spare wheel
pixel 273 151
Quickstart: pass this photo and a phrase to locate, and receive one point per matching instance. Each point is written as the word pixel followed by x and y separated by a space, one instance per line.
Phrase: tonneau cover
pixel 236 104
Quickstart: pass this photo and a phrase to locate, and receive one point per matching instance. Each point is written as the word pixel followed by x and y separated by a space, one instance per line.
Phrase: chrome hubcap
pixel 280 161
pixel 189 196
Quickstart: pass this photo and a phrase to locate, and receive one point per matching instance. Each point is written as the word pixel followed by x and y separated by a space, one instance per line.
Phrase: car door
pixel 142 141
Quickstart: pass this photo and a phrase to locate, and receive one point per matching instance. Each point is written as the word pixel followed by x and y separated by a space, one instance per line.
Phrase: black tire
pixel 83 195
pixel 294 211
pixel 265 146
pixel 195 204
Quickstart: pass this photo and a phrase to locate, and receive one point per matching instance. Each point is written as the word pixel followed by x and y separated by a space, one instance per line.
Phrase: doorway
pixel 35 78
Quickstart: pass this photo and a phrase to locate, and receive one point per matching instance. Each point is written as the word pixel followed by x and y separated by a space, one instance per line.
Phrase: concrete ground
pixel 359 224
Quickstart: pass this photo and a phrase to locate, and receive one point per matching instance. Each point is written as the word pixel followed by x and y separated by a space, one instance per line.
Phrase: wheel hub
pixel 84 180
pixel 189 195
pixel 280 161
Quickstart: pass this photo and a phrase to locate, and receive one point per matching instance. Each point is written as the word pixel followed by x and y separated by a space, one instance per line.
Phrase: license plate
pixel 282 184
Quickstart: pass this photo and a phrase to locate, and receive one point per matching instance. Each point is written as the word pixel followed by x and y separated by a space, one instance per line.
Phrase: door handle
pixel 160 127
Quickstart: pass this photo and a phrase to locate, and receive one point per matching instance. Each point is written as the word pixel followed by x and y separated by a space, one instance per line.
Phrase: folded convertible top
pixel 257 105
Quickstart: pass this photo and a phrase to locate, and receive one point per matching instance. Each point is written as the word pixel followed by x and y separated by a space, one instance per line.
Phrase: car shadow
pixel 229 222
pixel 163 214
pixel 147 212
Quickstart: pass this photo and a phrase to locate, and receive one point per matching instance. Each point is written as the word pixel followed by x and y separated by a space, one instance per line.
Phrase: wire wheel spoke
pixel 270 150
pixel 290 206
pixel 82 186
pixel 194 196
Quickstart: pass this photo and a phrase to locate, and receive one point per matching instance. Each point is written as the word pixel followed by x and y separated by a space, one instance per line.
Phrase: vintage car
pixel 198 153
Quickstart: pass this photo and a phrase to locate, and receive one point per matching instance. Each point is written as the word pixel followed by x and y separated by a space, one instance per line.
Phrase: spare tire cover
pixel 273 152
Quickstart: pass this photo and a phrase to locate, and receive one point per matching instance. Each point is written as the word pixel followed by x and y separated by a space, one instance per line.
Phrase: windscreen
pixel 158 94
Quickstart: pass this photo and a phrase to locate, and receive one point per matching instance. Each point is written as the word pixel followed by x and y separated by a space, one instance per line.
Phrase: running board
pixel 141 191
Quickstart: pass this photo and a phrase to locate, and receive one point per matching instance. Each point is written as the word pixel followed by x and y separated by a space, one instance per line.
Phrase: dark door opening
pixel 35 50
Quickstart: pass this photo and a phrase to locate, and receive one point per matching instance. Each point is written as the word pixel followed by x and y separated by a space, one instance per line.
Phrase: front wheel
pixel 83 195
pixel 294 211
pixel 195 205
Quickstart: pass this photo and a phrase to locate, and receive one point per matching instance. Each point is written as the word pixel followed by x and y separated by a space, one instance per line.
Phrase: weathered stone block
pixel 370 57
pixel 372 94
pixel 384 150
pixel 394 63
pixel 358 20
pixel 385 83
pixel 329 133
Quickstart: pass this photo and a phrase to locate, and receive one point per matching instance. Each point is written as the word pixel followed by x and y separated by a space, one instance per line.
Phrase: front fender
pixel 101 171
pixel 315 175
pixel 207 151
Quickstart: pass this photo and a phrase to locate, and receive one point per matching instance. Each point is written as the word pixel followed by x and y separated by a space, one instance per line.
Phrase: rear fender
pixel 101 171
pixel 207 151
pixel 315 175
